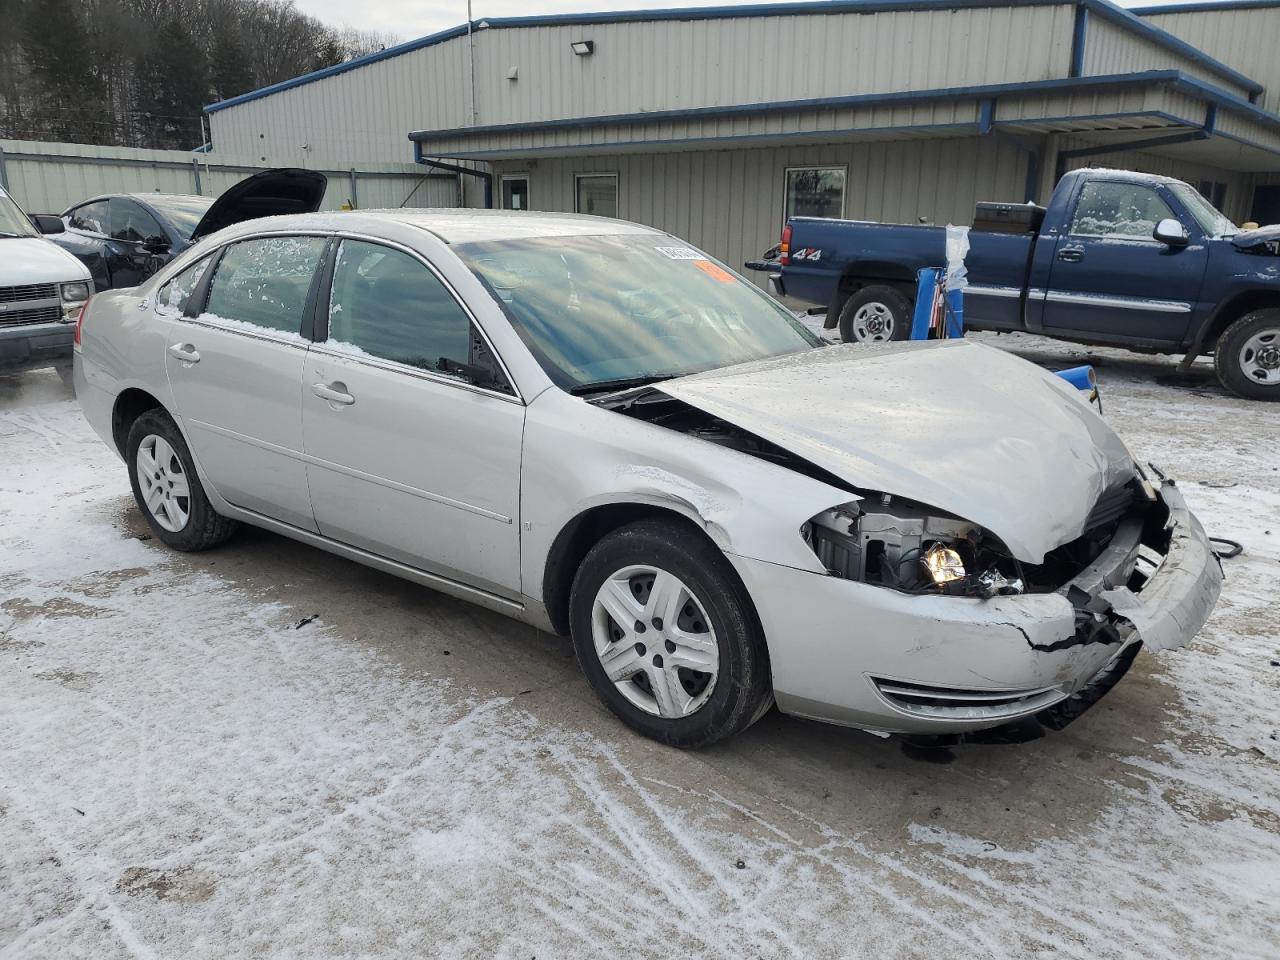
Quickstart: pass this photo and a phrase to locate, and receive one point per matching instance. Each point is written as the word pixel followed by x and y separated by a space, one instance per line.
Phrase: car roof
pixel 460 224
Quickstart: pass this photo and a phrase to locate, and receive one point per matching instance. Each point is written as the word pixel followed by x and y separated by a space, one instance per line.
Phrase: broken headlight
pixel 908 547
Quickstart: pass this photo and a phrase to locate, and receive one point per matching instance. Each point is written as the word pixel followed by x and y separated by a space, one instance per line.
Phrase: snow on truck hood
pixel 953 424
pixel 26 260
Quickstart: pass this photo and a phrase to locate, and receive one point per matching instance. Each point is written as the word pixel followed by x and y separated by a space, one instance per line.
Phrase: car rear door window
pixel 389 305
pixel 1118 210
pixel 264 282
pixel 174 295
pixel 91 217
pixel 127 221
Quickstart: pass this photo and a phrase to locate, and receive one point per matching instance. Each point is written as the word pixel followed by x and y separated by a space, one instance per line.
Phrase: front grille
pixel 30 291
pixel 19 318
pixel 950 703
pixel 1111 506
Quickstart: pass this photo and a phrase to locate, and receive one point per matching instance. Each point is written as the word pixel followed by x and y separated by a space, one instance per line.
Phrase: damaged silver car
pixel 595 428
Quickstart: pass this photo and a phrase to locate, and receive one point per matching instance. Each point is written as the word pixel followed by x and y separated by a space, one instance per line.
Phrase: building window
pixel 814 192
pixel 596 194
pixel 515 191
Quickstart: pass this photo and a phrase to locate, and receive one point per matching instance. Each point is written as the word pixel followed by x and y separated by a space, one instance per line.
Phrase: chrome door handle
pixel 333 392
pixel 1071 254
pixel 184 352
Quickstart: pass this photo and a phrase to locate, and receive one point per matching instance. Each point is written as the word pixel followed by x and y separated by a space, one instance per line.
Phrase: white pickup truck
pixel 42 288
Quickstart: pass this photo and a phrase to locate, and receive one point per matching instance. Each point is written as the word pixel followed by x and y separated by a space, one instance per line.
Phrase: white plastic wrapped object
pixel 957 276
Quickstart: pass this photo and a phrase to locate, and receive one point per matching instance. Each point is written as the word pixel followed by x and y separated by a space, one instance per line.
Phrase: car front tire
pixel 166 486
pixel 667 636
pixel 1247 356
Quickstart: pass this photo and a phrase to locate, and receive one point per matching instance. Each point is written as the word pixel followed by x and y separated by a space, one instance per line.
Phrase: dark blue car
pixel 125 238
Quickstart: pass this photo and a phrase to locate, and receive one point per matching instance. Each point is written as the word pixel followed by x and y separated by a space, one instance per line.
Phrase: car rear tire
pixel 875 314
pixel 166 486
pixel 667 635
pixel 1247 356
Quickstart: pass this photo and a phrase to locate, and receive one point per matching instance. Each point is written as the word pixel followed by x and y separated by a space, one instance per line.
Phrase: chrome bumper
pixel 866 656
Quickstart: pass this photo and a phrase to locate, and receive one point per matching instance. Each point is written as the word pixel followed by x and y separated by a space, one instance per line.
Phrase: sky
pixel 407 19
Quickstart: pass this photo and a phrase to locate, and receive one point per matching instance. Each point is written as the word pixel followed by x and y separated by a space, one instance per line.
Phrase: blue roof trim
pixel 1205 7
pixel 398 50
pixel 1174 78
pixel 1103 8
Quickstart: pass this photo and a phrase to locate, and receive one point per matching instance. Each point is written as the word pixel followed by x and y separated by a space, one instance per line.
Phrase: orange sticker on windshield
pixel 714 271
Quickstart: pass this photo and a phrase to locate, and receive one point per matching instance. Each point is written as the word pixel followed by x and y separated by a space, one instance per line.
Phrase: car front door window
pixel 388 305
pixel 91 218
pixel 1118 211
pixel 129 223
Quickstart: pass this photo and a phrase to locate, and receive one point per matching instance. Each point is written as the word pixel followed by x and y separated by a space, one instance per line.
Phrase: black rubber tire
pixel 743 691
pixel 1226 355
pixel 204 528
pixel 899 307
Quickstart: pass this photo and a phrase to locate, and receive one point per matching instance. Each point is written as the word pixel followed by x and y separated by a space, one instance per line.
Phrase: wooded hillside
pixel 137 72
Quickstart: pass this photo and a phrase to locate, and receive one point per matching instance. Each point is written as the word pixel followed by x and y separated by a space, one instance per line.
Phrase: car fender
pixel 747 506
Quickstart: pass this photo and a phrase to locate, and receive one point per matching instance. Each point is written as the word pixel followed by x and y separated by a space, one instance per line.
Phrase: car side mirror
pixel 1171 233
pixel 155 245
pixel 47 223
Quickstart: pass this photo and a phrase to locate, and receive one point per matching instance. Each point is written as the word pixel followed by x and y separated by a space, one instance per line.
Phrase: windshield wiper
pixel 15 236
pixel 624 383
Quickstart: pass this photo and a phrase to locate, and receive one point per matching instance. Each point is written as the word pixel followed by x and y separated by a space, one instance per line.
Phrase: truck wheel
pixel 875 314
pixel 1247 357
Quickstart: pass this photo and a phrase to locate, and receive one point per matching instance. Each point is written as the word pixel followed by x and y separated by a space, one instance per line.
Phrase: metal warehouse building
pixel 716 123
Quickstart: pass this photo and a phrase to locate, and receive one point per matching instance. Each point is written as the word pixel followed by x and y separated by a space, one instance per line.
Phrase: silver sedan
pixel 595 428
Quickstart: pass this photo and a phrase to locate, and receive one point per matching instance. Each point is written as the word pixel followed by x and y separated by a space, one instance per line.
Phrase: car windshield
pixel 1213 223
pixel 13 222
pixel 610 311
pixel 183 212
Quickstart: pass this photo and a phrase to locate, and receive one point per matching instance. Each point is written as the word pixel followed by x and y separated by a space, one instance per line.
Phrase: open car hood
pixel 266 194
pixel 952 424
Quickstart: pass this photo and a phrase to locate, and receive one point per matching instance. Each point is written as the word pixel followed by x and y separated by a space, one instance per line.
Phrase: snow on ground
pixel 184 772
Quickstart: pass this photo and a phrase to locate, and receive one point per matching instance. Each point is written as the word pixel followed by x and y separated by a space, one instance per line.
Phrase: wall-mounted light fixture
pixel 583 48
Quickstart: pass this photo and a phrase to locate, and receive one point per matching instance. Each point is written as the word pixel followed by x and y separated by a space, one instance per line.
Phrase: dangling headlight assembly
pixel 908 547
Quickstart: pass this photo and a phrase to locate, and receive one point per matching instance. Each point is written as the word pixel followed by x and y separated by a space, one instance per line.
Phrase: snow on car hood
pixel 1251 238
pixel 953 424
pixel 26 260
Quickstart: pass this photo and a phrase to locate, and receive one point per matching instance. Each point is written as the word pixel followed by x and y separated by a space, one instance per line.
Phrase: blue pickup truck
pixel 1120 258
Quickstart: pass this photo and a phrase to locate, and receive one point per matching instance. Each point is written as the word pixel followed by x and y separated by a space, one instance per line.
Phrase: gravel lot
pixel 189 770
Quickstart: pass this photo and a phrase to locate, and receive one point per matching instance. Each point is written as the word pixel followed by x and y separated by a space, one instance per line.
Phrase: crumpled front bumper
pixel 866 656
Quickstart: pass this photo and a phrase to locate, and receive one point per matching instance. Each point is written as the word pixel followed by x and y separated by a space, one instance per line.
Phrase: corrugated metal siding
pixel 49 177
pixel 1109 48
pixel 1245 38
pixel 355 117
pixel 730 202
pixel 365 114
pixel 670 64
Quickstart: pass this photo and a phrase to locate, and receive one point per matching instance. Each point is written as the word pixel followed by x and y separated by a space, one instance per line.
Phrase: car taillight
pixel 784 246
pixel 80 322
